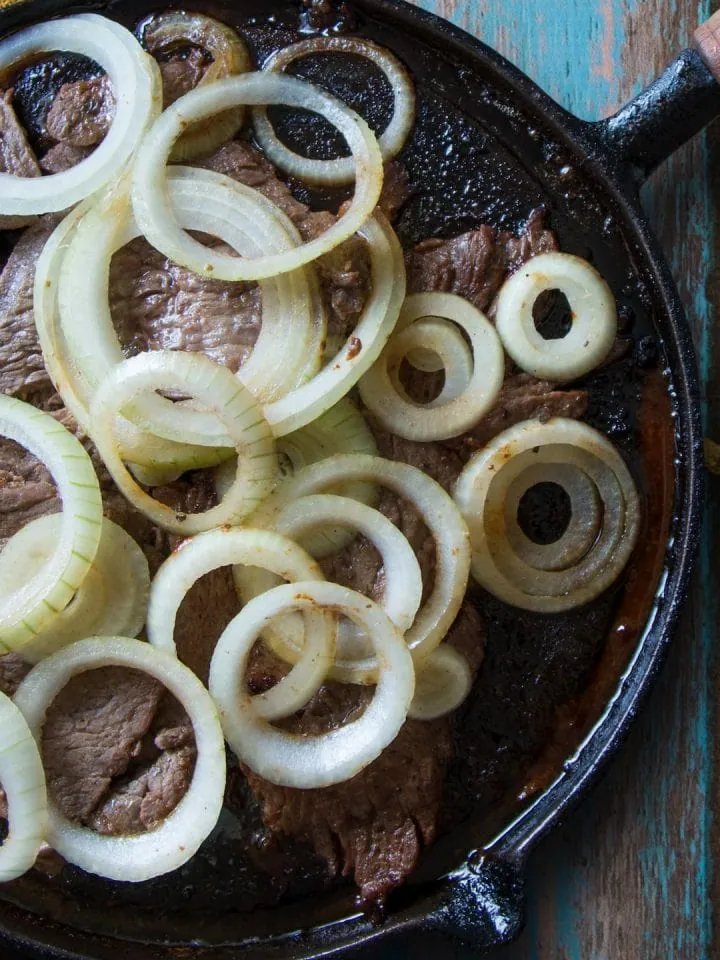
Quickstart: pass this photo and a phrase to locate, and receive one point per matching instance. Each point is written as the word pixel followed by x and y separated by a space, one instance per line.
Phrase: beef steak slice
pixel 16 154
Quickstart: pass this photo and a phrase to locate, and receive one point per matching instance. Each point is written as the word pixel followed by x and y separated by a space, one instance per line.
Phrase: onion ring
pixel 438 512
pixel 29 609
pixel 481 491
pixel 136 82
pixel 594 317
pixel 113 595
pixel 403 590
pixel 271 551
pixel 320 761
pixel 217 388
pixel 442 685
pixel 149 193
pixel 176 840
pixel 23 780
pixel 340 171
pixel 450 414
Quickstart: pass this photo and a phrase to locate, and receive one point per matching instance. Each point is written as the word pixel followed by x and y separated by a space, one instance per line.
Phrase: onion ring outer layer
pixel 594 317
pixel 23 779
pixel 170 845
pixel 340 171
pixel 135 77
pixel 29 609
pixel 150 198
pixel 269 551
pixel 319 761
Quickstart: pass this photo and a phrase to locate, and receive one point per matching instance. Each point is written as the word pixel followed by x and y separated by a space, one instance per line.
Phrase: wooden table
pixel 630 875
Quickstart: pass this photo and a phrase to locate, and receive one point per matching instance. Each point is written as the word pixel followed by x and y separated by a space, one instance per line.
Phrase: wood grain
pixel 629 877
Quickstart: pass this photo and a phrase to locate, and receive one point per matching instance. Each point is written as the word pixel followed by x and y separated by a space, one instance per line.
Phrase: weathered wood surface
pixel 630 876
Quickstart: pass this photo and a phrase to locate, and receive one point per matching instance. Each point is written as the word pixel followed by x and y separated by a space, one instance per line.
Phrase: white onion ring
pixel 440 515
pixel 480 494
pixel 594 317
pixel 29 609
pixel 585 516
pixel 229 57
pixel 442 685
pixel 403 579
pixel 450 414
pixel 217 388
pixel 136 84
pixel 264 549
pixel 291 333
pixel 112 597
pixel 150 197
pixel 446 350
pixel 319 761
pixel 342 170
pixel 177 839
pixel 379 316
pixel 23 780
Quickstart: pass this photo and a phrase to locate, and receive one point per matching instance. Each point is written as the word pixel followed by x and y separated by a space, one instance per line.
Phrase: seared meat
pixel 63 156
pixel 22 370
pixel 13 671
pixel 396 190
pixel 16 154
pixel 82 112
pixel 475 264
pixel 180 75
pixel 158 305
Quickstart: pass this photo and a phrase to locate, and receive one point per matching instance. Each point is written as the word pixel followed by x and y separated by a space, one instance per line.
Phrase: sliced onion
pixel 481 494
pixel 313 761
pixel 343 429
pixel 230 57
pixel 585 516
pixel 403 579
pixel 217 388
pixel 376 323
pixel 446 350
pixel 442 685
pixel 23 780
pixel 30 608
pixel 268 551
pixel 113 595
pixel 391 141
pixel 159 459
pixel 439 514
pixel 176 840
pixel 450 414
pixel 291 334
pixel 136 83
pixel 594 317
pixel 150 196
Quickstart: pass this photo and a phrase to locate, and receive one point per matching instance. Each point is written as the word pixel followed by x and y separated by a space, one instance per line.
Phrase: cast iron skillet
pixel 469 887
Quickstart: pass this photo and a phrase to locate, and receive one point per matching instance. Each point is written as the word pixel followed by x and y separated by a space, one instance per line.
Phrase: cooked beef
pixel 13 671
pixel 16 154
pixel 374 826
pixel 158 305
pixel 22 371
pixel 180 75
pixel 63 156
pixel 475 264
pixel 396 190
pixel 26 489
pixel 82 112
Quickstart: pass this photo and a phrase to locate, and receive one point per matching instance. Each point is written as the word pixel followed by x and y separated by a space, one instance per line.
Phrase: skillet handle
pixel 481 905
pixel 683 100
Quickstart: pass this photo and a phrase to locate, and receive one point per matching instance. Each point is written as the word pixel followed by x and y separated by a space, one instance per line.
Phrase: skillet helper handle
pixel 481 905
pixel 672 110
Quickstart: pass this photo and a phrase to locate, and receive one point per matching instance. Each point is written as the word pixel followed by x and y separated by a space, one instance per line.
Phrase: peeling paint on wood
pixel 630 876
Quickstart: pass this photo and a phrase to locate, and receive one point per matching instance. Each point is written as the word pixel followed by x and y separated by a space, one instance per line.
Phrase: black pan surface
pixel 488 148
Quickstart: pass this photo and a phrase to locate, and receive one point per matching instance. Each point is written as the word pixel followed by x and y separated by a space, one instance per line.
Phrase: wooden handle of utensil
pixel 707 41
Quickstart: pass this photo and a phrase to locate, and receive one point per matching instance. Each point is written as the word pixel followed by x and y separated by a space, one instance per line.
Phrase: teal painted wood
pixel 630 876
